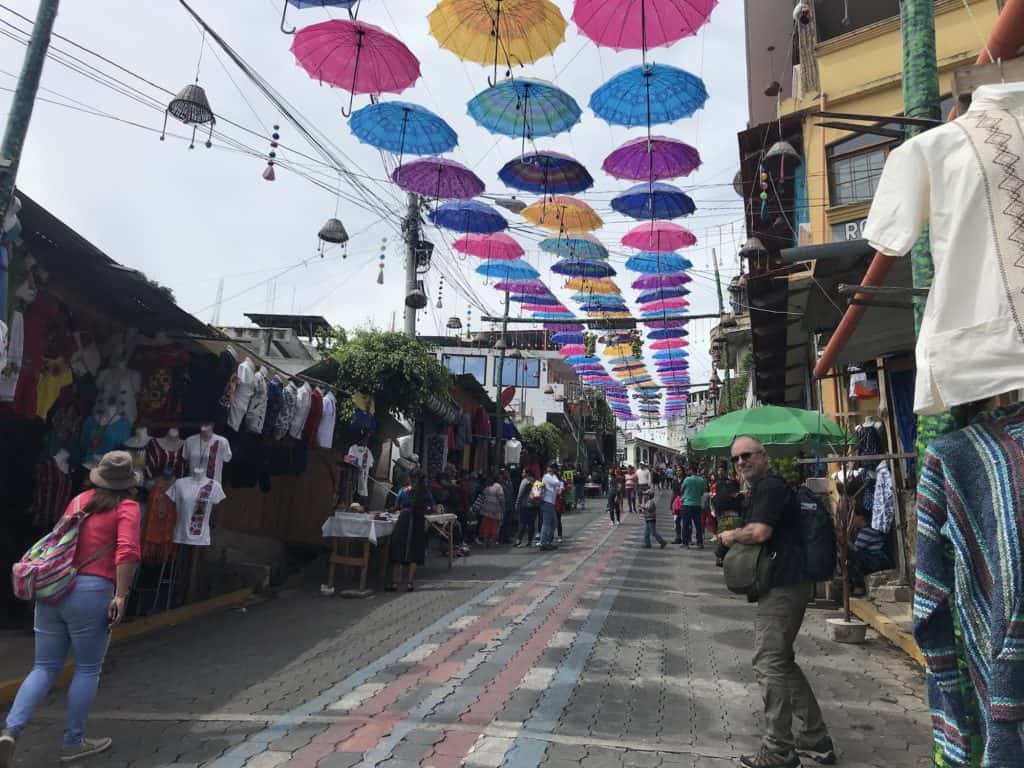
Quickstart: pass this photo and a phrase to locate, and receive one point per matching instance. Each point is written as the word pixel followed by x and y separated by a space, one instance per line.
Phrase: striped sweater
pixel 970 518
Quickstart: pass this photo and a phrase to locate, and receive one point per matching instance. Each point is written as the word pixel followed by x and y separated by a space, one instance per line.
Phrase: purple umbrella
pixel 652 159
pixel 665 323
pixel 650 282
pixel 557 327
pixel 525 287
pixel 438 178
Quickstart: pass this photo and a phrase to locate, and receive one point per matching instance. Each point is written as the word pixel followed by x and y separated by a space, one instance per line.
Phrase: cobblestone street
pixel 602 654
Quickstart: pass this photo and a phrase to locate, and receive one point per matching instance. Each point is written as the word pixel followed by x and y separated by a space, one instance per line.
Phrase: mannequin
pixel 207 452
pixel 171 441
pixel 53 489
pixel 164 455
pixel 245 385
pixel 103 431
pixel 257 412
pixel 12 365
pixel 119 386
pixel 194 497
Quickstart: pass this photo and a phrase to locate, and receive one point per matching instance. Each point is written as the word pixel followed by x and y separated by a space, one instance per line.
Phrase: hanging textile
pixel 158 524
pixel 901 394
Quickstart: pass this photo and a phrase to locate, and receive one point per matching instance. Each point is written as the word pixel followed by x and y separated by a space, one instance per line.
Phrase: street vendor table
pixel 352 535
pixel 444 525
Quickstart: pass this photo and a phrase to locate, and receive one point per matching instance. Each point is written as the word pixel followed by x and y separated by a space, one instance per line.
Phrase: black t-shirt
pixel 772 502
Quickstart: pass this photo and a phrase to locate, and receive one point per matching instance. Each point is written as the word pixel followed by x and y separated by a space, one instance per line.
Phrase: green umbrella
pixel 784 431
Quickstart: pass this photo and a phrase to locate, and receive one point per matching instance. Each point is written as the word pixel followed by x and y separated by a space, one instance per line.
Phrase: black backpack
pixel 818 533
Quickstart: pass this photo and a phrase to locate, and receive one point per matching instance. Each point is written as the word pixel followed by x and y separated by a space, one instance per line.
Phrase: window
pixel 459 364
pixel 854 177
pixel 519 373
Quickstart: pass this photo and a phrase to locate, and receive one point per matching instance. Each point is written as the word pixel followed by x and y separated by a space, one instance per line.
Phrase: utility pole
pixel 725 339
pixel 411 230
pixel 499 375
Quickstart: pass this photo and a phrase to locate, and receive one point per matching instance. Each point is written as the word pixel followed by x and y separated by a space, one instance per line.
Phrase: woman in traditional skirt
pixel 409 539
pixel 492 510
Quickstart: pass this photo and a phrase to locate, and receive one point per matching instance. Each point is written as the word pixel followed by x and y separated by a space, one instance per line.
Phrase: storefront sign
pixel 848 230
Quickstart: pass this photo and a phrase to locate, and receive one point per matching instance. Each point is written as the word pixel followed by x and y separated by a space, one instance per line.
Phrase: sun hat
pixel 114 472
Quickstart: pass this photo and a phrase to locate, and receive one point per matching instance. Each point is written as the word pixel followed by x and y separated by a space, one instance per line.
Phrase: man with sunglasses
pixel 773 520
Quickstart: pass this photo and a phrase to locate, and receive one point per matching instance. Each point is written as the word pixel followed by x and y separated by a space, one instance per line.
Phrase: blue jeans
pixel 548 523
pixel 693 522
pixel 77 623
pixel 527 523
pixel 651 529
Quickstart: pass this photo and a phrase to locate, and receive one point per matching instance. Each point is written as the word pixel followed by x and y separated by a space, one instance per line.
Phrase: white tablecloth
pixel 349 525
pixel 442 518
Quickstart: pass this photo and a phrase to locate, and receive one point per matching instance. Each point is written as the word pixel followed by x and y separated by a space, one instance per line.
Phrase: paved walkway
pixel 602 654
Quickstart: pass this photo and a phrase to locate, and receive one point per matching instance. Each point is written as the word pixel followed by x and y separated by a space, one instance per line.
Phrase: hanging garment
pixel 970 523
pixel 85 359
pixel 209 455
pixel 158 523
pixel 312 425
pixel 194 500
pixel 303 402
pixel 883 509
pixel 119 387
pixel 325 431
pixel 99 438
pixel 863 386
pixel 40 315
pixel 360 457
pixel 163 455
pixel 971 341
pixel 274 402
pixel 163 371
pixel 202 389
pixel 54 375
pixel 285 416
pixel 245 385
pixel 257 413
pixel 52 495
pixel 15 346
pixel 64 422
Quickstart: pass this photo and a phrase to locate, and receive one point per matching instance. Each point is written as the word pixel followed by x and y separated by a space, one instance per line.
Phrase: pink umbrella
pixel 660 236
pixel 669 344
pixel 572 349
pixel 356 56
pixel 567 327
pixel 439 178
pixel 640 24
pixel 497 246
pixel 664 305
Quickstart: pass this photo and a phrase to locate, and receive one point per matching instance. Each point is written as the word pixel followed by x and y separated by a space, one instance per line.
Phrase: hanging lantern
pixel 752 248
pixel 764 194
pixel 424 251
pixel 332 232
pixel 191 107
pixel 440 292
pixel 454 324
pixel 268 172
pixel 777 153
pixel 416 298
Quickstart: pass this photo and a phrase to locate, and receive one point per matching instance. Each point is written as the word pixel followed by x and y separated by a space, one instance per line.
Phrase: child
pixel 650 510
pixel 614 489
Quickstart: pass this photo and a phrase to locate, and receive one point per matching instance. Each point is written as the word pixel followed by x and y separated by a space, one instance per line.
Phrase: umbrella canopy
pixel 661 294
pixel 562 213
pixel 583 268
pixel 654 201
pixel 648 95
pixel 533 287
pixel 669 323
pixel 784 431
pixel 496 246
pixel 651 263
pixel 545 307
pixel 582 360
pixel 664 305
pixel 658 235
pixel 602 309
pixel 567 337
pixel 524 107
pixel 636 24
pixel 546 173
pixel 401 127
pixel 600 299
pixel 570 350
pixel 563 315
pixel 658 157
pixel 652 281
pixel 667 333
pixel 671 354
pixel 600 285
pixel 439 178
pixel 559 327
pixel 620 350
pixel 507 270
pixel 469 216
pixel 546 301
pixel 583 246
pixel 356 56
pixel 668 344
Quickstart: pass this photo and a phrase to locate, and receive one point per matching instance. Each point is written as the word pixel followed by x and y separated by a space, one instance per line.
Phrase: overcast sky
pixel 188 218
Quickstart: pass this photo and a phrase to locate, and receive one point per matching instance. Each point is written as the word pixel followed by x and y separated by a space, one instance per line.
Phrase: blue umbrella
pixel 607 300
pixel 546 173
pixel 552 315
pixel 507 270
pixel 670 354
pixel 549 301
pixel 656 313
pixel 580 247
pixel 661 294
pixel 667 333
pixel 583 268
pixel 524 107
pixel 470 216
pixel 600 308
pixel 651 263
pixel 654 201
pixel 300 4
pixel 567 337
pixel 400 127
pixel 582 360
pixel 648 95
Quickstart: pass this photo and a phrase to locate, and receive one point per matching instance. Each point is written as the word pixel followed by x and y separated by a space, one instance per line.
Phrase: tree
pixel 327 340
pixel 399 372
pixel 544 441
pixel 738 386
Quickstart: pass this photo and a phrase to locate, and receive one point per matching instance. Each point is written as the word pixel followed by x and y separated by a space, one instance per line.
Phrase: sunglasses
pixel 745 456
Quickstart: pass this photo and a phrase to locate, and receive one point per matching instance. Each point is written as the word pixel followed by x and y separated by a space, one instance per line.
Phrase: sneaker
pixel 7 743
pixel 558 540
pixel 824 752
pixel 767 759
pixel 663 543
pixel 87 748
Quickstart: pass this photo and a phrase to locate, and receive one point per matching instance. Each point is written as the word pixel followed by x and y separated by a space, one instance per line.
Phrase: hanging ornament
pixel 383 253
pixel 636 343
pixel 764 195
pixel 469 322
pixel 268 172
pixel 191 106
pixel 440 292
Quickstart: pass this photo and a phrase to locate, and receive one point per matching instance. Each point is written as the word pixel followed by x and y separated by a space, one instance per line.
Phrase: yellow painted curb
pixel 141 628
pixel 887 628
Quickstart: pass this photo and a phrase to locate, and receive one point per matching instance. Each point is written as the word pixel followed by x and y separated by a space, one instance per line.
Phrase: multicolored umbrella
pixel 648 95
pixel 601 309
pixel 469 216
pixel 600 285
pixel 524 107
pixel 669 322
pixel 661 294
pixel 653 281
pixel 400 127
pixel 640 24
pixel 534 287
pixel 439 178
pixel 497 246
pixel 657 235
pixel 553 315
pixel 507 270
pixel 546 173
pixel 506 32
pixel 654 201
pixel 356 56
pixel 658 263
pixel 583 360
pixel 583 268
pixel 600 299
pixel 562 213
pixel 300 4
pixel 583 246
pixel 651 159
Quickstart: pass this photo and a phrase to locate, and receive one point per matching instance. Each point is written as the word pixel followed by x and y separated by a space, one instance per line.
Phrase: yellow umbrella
pixel 619 350
pixel 599 285
pixel 527 30
pixel 562 213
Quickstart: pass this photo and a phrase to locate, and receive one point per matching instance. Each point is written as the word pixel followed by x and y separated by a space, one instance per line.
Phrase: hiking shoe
pixel 88 748
pixel 767 759
pixel 824 752
pixel 7 743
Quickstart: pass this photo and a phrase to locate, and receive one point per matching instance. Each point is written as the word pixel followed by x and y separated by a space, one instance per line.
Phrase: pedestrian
pixel 692 491
pixel 773 521
pixel 492 510
pixel 613 497
pixel 643 481
pixel 526 512
pixel 552 487
pixel 650 511
pixel 629 482
pixel 107 554
pixel 508 520
pixel 559 510
pixel 408 545
pixel 727 504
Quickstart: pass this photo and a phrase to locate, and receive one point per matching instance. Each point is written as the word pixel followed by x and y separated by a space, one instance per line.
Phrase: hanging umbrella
pixel 356 56
pixel 652 281
pixel 506 32
pixel 640 24
pixel 661 294
pixel 567 337
pixel 562 213
pixel 654 201
pixel 671 354
pixel 582 360
pixel 666 323
pixel 507 270
pixel 496 246
pixel 598 299
pixel 524 107
pixel 583 246
pixel 546 173
pixel 439 178
pixel 469 216
pixel 664 305
pixel 547 301
pixel 648 95
pixel 544 307
pixel 583 268
pixel 400 127
pixel 785 431
pixel 658 263
pixel 600 285
pixel 668 344
pixel 655 235
pixel 532 287
pixel 667 333
pixel 568 327
pixel 300 4
pixel 601 309
pixel 620 350
pixel 658 157
pixel 566 314
pixel 569 350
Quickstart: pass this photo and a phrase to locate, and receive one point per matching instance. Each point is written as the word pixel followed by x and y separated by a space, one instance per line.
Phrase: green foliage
pixel 327 340
pixel 787 469
pixel 397 371
pixel 738 386
pixel 544 441
pixel 603 419
pixel 161 289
